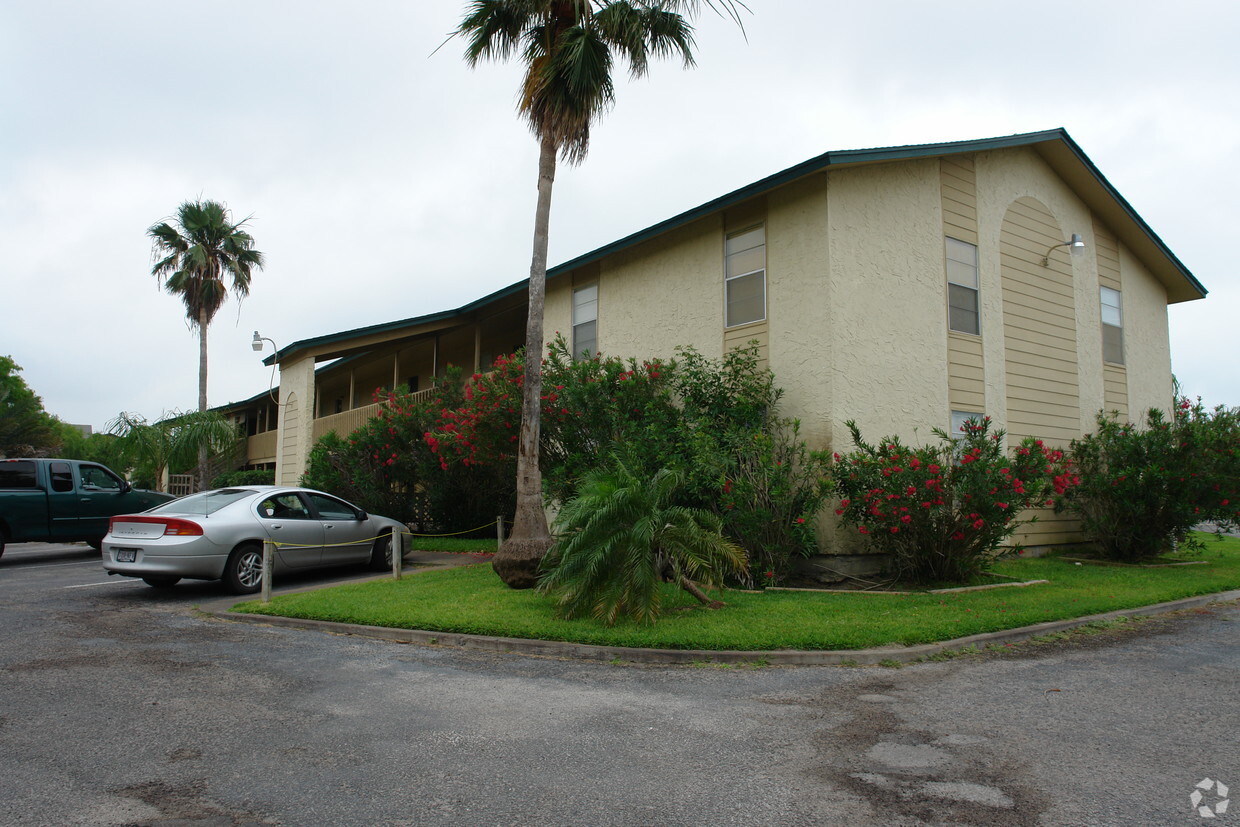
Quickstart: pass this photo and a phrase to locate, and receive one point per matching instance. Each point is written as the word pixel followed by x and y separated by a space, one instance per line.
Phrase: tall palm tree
pixel 567 47
pixel 193 257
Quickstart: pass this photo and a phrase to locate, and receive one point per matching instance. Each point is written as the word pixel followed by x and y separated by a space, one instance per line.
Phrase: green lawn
pixel 472 600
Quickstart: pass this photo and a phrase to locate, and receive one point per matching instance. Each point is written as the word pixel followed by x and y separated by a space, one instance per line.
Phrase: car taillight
pixel 183 528
pixel 173 526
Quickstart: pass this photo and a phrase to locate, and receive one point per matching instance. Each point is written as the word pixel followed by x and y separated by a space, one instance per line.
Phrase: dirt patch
pixel 187 802
pixel 912 776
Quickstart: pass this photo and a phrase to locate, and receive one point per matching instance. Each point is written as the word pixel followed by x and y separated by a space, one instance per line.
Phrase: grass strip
pixel 452 544
pixel 472 600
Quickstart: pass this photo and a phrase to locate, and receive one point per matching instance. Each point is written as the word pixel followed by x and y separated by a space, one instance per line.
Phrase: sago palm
pixel 622 536
pixel 194 256
pixel 568 48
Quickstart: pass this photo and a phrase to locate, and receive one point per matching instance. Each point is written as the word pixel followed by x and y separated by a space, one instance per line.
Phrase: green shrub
pixel 622 536
pixel 1143 489
pixel 713 421
pixel 257 476
pixel 942 511
pixel 387 467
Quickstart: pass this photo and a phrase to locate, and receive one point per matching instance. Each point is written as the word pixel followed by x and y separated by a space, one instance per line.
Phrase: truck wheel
pixel 381 554
pixel 158 582
pixel 243 573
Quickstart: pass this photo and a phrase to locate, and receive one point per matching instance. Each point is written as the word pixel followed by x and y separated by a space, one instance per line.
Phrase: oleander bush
pixel 1144 488
pixel 944 511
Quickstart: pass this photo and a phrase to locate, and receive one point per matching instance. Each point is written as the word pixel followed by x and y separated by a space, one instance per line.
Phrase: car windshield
pixel 206 502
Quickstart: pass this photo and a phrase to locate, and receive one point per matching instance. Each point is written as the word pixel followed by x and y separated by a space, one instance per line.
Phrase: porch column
pixel 295 419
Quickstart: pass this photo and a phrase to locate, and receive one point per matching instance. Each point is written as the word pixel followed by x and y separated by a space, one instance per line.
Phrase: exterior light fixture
pixel 257 343
pixel 1076 246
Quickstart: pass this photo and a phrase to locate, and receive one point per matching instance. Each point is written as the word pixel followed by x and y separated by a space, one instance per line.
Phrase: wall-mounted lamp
pixel 257 342
pixel 1076 245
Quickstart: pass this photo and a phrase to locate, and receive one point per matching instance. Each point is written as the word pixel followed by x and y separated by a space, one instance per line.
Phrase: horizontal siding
pixel 741 336
pixel 966 366
pixel 965 348
pixel 1050 529
pixel 1106 248
pixel 1039 322
pixel 958 187
pixel 1115 394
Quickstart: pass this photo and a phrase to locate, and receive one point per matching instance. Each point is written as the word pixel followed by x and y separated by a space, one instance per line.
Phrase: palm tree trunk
pixel 517 561
pixel 203 321
pixel 696 590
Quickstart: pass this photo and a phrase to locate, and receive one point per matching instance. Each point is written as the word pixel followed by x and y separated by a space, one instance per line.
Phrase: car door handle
pixel 328 525
pixel 275 526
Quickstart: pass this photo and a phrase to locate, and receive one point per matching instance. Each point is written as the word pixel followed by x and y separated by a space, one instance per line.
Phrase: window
pixel 959 418
pixel 585 321
pixel 286 506
pixel 745 276
pixel 62 476
pixel 1112 327
pixel 962 309
pixel 330 508
pixel 17 474
pixel 95 476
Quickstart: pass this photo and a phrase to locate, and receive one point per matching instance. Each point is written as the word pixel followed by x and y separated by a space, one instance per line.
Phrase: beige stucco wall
pixel 800 342
pixel 1147 344
pixel 888 295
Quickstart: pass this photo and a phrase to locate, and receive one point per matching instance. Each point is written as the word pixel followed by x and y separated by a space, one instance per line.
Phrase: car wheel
pixel 381 554
pixel 243 573
pixel 1 543
pixel 158 582
pixel 97 545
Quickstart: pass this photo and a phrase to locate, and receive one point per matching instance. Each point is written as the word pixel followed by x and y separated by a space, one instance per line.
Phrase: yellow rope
pixel 372 539
pixel 454 533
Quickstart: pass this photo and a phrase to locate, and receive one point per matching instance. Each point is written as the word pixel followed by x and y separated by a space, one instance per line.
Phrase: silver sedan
pixel 218 535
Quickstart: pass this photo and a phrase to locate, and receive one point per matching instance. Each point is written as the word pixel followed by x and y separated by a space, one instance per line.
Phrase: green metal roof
pixel 1055 146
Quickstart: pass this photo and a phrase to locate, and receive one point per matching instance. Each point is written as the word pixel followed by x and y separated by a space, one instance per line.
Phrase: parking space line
pixel 125 582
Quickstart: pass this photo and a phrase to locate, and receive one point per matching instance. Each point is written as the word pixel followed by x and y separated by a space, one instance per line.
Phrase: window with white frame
pixel 1112 327
pixel 962 287
pixel 745 276
pixel 585 321
pixel 959 418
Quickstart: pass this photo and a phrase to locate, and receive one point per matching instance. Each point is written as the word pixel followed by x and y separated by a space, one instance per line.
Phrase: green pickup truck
pixel 64 500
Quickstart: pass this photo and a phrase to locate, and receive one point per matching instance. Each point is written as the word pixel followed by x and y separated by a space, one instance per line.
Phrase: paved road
pixel 119 705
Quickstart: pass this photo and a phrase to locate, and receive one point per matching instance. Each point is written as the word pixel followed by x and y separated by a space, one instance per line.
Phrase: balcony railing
pixel 346 422
pixel 261 448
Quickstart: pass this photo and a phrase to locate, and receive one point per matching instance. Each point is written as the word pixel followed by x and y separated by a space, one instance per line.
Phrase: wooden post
pixel 499 532
pixel 396 542
pixel 268 550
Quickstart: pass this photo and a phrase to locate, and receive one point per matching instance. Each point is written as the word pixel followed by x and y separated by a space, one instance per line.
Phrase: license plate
pixel 126 555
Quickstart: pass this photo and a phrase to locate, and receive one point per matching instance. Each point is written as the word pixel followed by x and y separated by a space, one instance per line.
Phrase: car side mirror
pixel 126 487
pixel 361 515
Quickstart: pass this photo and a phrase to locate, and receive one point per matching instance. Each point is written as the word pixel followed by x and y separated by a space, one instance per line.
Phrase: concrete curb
pixel 584 651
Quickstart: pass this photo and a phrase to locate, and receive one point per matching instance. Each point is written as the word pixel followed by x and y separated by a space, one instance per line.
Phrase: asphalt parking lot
pixel 122 705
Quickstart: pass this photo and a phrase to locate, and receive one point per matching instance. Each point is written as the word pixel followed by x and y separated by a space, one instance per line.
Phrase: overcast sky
pixel 387 180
